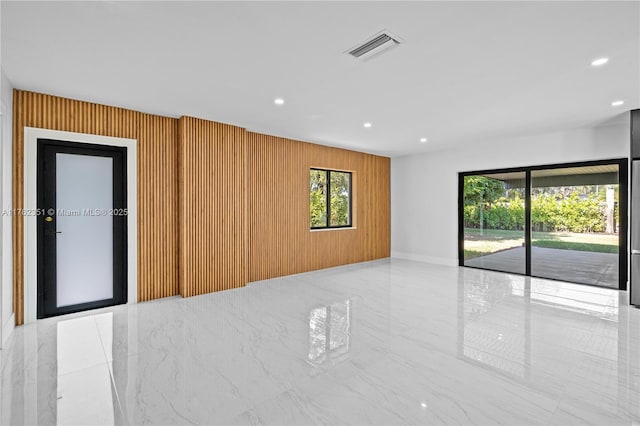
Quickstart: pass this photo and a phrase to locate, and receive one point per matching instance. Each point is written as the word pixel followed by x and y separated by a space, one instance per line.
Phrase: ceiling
pixel 467 71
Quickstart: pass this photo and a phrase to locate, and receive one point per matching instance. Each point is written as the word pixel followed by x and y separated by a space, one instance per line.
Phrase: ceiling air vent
pixel 374 45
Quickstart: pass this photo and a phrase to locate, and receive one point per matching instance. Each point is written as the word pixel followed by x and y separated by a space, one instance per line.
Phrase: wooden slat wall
pixel 157 181
pixel 212 186
pixel 280 242
pixel 217 206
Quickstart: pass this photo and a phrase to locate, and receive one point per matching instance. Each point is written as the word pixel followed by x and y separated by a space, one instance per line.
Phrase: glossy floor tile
pixel 384 342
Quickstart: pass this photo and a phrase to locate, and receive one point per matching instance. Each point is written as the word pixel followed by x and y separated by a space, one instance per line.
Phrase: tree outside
pixel 339 185
pixel 318 198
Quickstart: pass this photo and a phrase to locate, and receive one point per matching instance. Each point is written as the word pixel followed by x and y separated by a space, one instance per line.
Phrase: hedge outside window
pixel 329 199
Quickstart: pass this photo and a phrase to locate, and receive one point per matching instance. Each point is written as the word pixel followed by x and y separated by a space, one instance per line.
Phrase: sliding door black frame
pixel 623 183
pixel 527 223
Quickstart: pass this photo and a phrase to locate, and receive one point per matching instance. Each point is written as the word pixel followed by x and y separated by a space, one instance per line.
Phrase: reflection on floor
pixel 567 265
pixel 329 332
pixel 385 342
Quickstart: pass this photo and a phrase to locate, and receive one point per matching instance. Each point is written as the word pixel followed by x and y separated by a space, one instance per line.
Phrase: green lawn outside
pixel 493 240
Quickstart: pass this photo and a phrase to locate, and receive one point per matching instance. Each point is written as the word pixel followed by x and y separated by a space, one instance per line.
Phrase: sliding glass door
pixel 565 222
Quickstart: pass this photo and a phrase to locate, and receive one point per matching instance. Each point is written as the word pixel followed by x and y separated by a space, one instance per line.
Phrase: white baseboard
pixel 427 259
pixel 7 329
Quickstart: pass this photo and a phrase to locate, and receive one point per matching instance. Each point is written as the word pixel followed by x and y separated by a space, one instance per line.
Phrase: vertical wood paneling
pixel 157 181
pixel 212 188
pixel 280 242
pixel 217 206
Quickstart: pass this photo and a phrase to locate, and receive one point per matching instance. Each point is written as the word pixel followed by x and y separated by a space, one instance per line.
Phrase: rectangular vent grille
pixel 374 44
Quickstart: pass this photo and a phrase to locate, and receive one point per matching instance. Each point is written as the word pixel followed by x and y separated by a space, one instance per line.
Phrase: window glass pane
pixel 340 185
pixel 494 221
pixel 318 198
pixel 84 261
pixel 575 224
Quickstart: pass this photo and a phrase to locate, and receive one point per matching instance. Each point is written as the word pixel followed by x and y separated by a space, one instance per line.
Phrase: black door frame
pixel 623 182
pixel 46 241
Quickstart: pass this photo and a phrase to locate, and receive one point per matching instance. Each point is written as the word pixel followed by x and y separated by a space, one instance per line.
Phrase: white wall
pixel 424 188
pixel 6 182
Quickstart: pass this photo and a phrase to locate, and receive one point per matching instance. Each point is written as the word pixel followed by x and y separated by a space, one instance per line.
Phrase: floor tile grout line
pixel 111 378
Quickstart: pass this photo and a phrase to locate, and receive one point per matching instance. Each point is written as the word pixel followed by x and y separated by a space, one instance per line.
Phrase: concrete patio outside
pixel 567 265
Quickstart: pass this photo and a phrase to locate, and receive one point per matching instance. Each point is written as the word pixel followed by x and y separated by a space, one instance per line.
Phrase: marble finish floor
pixel 384 342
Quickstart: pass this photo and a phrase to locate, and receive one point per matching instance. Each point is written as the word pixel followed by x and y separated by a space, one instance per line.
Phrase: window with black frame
pixel 329 199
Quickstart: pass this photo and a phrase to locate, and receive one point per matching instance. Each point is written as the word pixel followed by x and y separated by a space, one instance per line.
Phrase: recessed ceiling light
pixel 423 140
pixel 278 101
pixel 617 103
pixel 599 62
pixel 367 125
